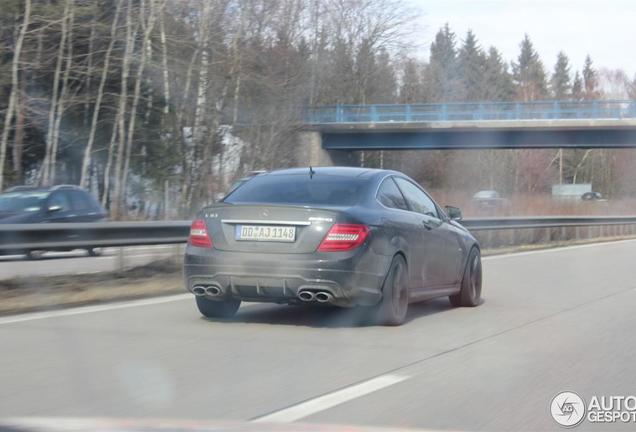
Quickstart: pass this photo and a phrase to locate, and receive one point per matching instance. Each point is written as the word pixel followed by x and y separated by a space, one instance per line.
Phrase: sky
pixel 604 29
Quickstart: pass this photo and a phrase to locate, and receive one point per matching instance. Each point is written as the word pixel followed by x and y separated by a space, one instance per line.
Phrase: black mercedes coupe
pixel 350 237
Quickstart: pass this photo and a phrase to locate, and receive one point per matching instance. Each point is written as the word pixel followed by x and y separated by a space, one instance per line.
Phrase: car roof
pixel 26 189
pixel 335 171
pixel 43 188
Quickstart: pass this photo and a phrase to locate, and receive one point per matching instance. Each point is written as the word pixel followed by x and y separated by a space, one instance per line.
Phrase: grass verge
pixel 27 294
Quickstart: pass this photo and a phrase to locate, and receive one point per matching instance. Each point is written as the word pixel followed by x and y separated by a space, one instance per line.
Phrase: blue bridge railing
pixel 598 109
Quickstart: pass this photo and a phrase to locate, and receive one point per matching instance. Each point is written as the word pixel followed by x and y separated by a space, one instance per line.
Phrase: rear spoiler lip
pixel 292 206
pixel 265 221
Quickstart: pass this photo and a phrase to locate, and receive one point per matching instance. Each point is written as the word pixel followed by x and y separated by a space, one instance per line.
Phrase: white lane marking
pixel 74 424
pixel 80 310
pixel 90 309
pixel 554 249
pixel 330 400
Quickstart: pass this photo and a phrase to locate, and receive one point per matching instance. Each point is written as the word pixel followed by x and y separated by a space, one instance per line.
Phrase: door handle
pixel 427 225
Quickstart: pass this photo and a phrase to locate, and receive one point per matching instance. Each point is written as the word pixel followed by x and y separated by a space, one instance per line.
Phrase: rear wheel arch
pixel 469 250
pixel 399 253
pixel 403 255
pixel 399 246
pixel 470 289
pixel 393 306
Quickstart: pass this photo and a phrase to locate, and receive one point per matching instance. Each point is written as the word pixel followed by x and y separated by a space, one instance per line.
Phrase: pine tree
pixel 577 87
pixel 412 88
pixel 382 84
pixel 529 74
pixel 498 85
pixel 471 68
pixel 442 70
pixel 590 80
pixel 560 83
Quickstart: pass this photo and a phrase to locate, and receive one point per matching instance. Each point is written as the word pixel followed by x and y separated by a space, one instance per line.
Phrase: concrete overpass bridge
pixel 331 133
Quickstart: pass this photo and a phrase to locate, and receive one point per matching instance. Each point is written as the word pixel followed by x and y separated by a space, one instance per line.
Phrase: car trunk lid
pixel 309 225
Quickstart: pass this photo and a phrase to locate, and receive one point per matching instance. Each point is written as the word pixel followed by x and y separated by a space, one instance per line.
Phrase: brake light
pixel 199 234
pixel 344 237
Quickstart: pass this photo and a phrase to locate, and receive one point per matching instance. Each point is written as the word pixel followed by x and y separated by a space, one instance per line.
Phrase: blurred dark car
pixel 489 200
pixel 56 204
pixel 592 196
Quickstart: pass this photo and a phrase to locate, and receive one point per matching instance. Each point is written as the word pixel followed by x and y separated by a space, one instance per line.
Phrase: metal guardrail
pixel 24 237
pixel 486 224
pixel 412 113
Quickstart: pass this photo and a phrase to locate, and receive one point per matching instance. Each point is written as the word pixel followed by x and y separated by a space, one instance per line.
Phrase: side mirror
pixel 454 213
pixel 54 208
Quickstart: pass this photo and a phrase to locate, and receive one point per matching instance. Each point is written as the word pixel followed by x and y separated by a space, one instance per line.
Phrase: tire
pixel 94 252
pixel 217 308
pixel 392 309
pixel 470 293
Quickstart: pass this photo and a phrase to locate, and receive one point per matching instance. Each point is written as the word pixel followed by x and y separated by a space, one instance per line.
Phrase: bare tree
pixel 121 111
pixel 164 60
pixel 100 95
pixel 8 117
pixel 64 92
pixel 147 32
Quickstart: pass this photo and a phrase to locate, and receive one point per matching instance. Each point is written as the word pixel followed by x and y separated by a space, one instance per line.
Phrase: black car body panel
pixel 56 204
pixel 435 248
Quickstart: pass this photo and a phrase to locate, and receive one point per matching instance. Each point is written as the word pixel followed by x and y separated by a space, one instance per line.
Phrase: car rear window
pixel 299 189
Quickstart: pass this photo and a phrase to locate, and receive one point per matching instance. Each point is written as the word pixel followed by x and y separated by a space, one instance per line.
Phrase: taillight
pixel 344 237
pixel 199 234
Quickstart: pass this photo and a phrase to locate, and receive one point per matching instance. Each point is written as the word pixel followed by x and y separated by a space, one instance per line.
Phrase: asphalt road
pixel 78 262
pixel 554 320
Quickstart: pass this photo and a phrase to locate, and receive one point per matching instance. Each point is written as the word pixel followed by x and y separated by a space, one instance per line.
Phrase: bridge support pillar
pixel 310 152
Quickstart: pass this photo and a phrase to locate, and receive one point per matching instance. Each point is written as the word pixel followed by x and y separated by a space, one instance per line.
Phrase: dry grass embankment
pixel 26 294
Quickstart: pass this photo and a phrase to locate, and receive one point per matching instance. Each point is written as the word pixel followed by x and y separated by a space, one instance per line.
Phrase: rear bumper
pixel 352 278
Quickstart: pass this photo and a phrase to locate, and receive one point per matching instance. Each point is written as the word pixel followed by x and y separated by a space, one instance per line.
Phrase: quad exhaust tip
pixel 213 290
pixel 209 290
pixel 306 296
pixel 319 296
pixel 323 297
pixel 198 290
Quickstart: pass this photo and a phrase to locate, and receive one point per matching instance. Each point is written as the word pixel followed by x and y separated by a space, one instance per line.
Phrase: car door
pixel 58 208
pixel 401 225
pixel 454 251
pixel 84 206
pixel 435 241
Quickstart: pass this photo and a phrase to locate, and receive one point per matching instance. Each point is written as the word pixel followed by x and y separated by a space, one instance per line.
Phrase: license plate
pixel 265 233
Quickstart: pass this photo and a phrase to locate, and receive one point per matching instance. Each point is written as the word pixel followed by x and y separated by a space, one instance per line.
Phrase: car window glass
pixel 390 196
pixel 416 199
pixel 22 201
pixel 60 199
pixel 299 189
pixel 79 201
